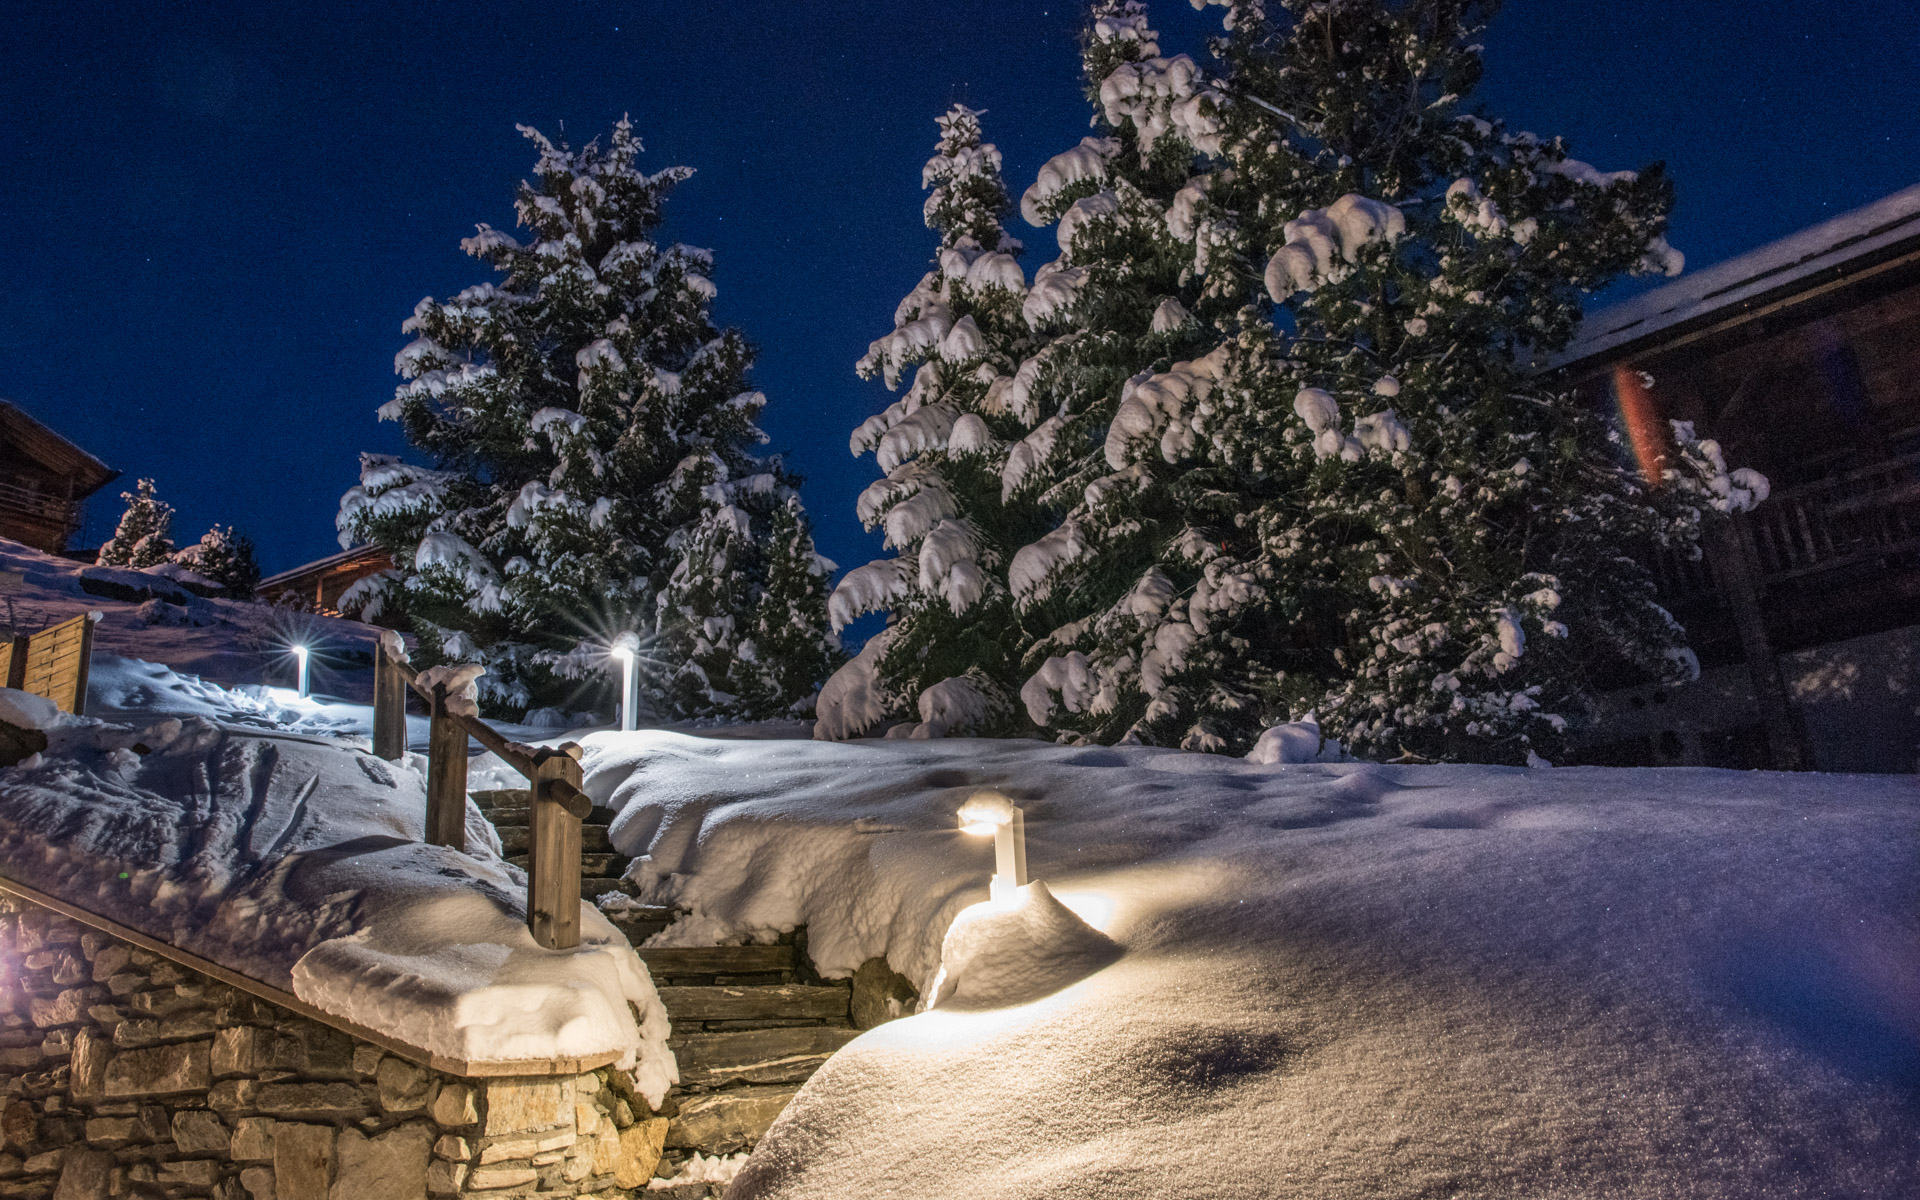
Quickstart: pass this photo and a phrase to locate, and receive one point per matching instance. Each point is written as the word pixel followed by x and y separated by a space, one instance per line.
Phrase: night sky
pixel 220 213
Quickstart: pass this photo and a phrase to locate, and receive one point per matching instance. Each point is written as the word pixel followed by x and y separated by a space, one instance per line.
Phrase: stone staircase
pixel 750 1023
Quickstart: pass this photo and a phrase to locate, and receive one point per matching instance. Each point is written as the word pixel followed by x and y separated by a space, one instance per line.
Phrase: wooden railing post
pixel 1733 564
pixel 446 776
pixel 553 874
pixel 16 652
pixel 389 706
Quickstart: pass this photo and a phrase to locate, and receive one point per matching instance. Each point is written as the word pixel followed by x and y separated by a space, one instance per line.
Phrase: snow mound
pixel 298 862
pixel 1340 981
pixel 996 954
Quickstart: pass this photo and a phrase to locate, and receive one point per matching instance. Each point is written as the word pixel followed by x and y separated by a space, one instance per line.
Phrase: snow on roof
pixel 1336 981
pixel 298 862
pixel 355 555
pixel 1864 233
pixel 50 448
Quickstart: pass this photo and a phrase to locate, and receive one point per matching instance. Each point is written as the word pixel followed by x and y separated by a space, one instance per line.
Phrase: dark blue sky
pixel 221 212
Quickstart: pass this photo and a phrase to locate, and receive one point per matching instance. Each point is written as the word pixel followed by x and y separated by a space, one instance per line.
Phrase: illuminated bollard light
pixel 990 812
pixel 626 648
pixel 301 654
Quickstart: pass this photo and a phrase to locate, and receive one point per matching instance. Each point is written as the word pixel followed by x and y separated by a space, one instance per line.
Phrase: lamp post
pixel 626 648
pixel 990 812
pixel 300 656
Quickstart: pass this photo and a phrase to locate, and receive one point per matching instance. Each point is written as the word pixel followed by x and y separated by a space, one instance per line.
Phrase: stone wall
pixel 125 1074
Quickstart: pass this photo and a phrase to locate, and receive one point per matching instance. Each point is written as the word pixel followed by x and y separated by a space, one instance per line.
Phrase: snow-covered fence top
pixel 299 865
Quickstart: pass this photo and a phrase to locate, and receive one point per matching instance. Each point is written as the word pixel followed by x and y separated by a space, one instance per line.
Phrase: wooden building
pixel 44 481
pixel 317 586
pixel 1802 359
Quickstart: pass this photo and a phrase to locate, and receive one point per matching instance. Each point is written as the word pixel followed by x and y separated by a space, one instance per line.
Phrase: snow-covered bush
pixel 142 537
pixel 225 557
pixel 592 435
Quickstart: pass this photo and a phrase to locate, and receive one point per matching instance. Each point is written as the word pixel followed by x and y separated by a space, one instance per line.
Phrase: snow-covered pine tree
pixel 141 540
pixel 225 557
pixel 592 437
pixel 954 452
pixel 1365 500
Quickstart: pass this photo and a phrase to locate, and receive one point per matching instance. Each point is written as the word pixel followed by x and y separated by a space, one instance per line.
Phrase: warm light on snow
pixel 990 812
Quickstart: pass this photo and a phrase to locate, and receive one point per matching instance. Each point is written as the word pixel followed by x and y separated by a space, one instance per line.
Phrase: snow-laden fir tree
pixel 592 437
pixel 142 537
pixel 225 557
pixel 1310 462
pixel 955 452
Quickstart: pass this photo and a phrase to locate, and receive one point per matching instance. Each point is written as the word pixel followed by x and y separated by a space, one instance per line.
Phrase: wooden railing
pixel 1863 515
pixel 36 504
pixel 557 803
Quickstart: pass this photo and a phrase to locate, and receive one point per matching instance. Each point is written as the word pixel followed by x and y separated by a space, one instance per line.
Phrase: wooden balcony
pixel 1833 558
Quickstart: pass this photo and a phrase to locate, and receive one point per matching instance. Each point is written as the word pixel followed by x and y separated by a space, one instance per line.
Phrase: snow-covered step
pixel 790 1001
pixel 755 1055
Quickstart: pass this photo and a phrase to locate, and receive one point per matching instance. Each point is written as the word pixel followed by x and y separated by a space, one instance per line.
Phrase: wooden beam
pixel 465 1068
pixel 389 707
pixel 446 777
pixel 553 874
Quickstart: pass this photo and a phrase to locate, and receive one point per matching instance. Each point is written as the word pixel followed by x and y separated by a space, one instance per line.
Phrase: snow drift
pixel 1337 980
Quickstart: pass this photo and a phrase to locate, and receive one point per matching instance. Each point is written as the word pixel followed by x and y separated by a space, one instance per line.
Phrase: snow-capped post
pixel 389 698
pixel 446 775
pixel 990 812
pixel 626 648
pixel 553 866
pixel 302 679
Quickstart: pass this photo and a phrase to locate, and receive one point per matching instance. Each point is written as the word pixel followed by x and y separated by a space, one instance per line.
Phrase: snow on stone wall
pixel 127 1074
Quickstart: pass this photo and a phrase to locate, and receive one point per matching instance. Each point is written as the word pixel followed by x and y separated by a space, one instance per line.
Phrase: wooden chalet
pixel 1802 359
pixel 44 481
pixel 317 586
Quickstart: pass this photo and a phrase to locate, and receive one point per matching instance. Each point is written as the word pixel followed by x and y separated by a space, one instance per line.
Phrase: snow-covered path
pixel 1338 980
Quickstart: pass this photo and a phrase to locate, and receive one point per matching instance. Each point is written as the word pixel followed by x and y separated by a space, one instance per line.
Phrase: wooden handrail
pixel 553 776
pixel 521 757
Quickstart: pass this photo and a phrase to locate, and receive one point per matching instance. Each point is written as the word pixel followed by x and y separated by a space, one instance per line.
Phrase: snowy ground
pixel 1334 980
pixel 149 615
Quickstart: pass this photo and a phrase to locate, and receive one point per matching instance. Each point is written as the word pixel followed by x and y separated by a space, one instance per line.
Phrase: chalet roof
pixel 346 559
pixel 48 448
pixel 1802 262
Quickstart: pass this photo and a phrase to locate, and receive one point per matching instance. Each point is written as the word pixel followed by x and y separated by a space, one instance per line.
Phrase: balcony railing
pixel 1867 515
pixel 36 504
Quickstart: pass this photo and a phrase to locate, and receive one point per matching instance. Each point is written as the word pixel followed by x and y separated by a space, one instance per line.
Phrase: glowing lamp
pixel 300 655
pixel 991 813
pixel 626 648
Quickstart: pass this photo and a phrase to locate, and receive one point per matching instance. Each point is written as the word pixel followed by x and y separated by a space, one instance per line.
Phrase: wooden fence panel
pixel 56 663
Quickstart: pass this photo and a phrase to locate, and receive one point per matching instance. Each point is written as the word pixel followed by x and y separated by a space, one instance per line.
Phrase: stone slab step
pixel 789 1000
pixel 718 960
pixel 517 839
pixel 489 799
pixel 755 1056
pixel 722 1122
pixel 597 866
pixel 593 889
